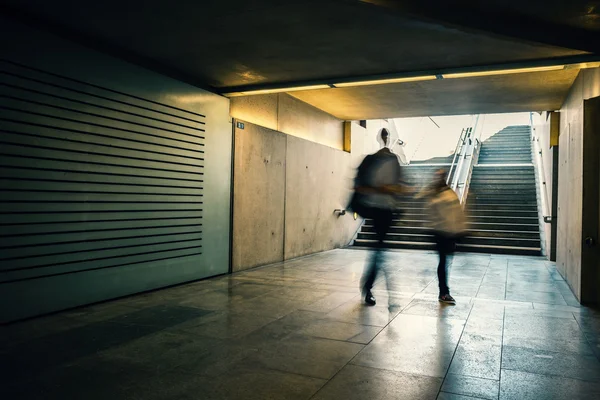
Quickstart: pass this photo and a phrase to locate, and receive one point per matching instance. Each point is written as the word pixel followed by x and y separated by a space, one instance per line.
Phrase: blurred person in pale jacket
pixel 448 224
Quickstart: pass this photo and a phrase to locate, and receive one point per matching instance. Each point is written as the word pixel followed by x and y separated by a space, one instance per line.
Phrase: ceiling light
pixel 503 72
pixel 277 90
pixel 583 65
pixel 384 81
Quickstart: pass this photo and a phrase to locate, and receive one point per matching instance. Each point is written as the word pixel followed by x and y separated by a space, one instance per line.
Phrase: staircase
pixel 502 203
pixel 410 229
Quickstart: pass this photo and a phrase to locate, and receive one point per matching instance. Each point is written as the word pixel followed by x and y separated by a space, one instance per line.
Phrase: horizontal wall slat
pixel 45 99
pixel 102 102
pixel 91 216
pixel 37 144
pixel 91 197
pixel 104 136
pixel 45 104
pixel 66 252
pixel 107 255
pixel 99 264
pixel 97 168
pixel 18 110
pixel 74 155
pixel 77 177
pixel 93 187
pixel 118 96
pixel 85 226
pixel 83 207
pixel 20 120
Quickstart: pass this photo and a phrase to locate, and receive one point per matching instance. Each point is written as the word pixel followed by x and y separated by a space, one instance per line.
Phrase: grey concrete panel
pixel 318 179
pixel 258 196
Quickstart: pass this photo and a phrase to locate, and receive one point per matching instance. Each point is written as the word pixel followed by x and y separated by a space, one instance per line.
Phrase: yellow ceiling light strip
pixel 384 81
pixel 502 72
pixel 278 90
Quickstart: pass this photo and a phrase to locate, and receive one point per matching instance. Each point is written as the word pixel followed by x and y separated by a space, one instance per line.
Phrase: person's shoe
pixel 370 299
pixel 446 298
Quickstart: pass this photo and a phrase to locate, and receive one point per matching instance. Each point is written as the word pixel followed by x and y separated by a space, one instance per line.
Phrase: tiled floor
pixel 299 331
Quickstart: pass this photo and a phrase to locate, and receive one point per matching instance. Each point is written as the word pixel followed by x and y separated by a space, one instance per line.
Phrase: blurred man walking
pixel 377 186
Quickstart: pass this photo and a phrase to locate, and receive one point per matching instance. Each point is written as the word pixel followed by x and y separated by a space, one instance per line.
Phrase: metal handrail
pixel 547 216
pixel 457 150
pixel 461 160
pixel 474 160
pixel 467 160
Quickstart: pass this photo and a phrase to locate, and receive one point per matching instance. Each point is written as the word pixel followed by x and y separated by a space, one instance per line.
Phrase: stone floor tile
pixel 341 331
pixel 471 386
pixel 454 396
pixel 538 297
pixel 331 301
pixel 433 308
pixel 477 356
pixel 309 356
pixel 517 385
pixel 580 346
pixel 527 326
pixel 567 365
pixel 356 382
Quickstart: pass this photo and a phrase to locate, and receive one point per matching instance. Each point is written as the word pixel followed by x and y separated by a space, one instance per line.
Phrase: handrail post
pixel 456 150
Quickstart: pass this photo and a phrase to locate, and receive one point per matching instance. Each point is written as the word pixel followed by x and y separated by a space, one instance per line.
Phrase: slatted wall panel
pixel 93 178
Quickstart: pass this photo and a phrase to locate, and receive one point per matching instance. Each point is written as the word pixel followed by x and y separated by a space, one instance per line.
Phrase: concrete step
pixel 517 212
pixel 395 237
pixel 499 199
pixel 396 245
pixel 402 230
pixel 475 226
pixel 508 207
pixel 505 234
pixel 482 180
pixel 417 223
pixel 503 155
pixel 499 241
pixel 460 247
pixel 479 186
pixel 500 170
pixel 503 160
pixel 502 219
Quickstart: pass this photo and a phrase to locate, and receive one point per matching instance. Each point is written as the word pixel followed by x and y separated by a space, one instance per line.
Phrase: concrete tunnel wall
pixel 286 187
pixel 570 186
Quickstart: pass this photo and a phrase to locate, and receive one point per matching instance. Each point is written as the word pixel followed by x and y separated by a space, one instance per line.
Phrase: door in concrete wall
pixel 114 179
pixel 590 253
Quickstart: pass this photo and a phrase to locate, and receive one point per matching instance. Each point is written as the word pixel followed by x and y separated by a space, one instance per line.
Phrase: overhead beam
pixel 568 62
pixel 481 17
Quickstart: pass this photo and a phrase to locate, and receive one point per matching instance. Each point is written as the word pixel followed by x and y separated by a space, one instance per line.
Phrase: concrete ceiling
pixel 536 91
pixel 231 45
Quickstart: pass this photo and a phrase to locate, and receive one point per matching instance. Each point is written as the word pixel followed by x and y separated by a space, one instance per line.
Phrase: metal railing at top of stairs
pixel 468 157
pixel 537 150
pixel 457 150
